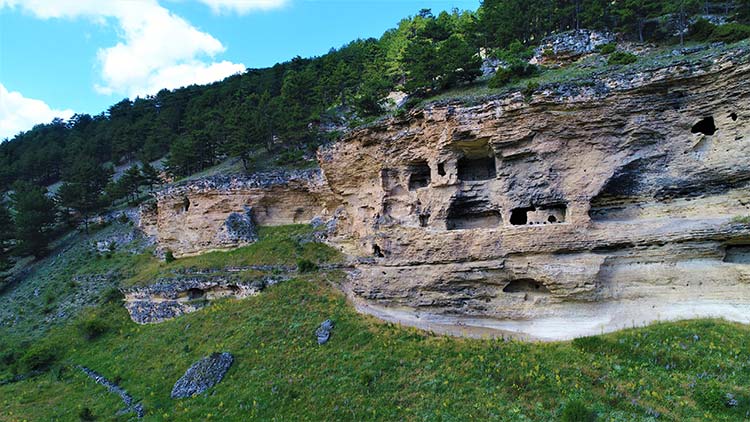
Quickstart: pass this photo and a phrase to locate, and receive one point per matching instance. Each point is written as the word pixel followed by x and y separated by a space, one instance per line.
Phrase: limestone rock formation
pixel 211 214
pixel 568 46
pixel 170 298
pixel 202 375
pixel 580 209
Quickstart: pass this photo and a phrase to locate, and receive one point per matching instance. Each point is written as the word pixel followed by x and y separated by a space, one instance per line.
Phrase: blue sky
pixel 63 56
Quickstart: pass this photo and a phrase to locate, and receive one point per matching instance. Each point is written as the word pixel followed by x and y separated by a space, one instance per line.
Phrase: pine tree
pixel 6 236
pixel 83 188
pixel 35 218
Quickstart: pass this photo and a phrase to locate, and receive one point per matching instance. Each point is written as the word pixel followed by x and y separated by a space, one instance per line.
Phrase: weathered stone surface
pixel 568 46
pixel 581 209
pixel 212 214
pixel 202 375
pixel 323 332
pixel 130 405
pixel 170 298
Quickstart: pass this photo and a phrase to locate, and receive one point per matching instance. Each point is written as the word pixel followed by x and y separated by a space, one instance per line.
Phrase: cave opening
pixel 477 169
pixel 195 293
pixel 424 220
pixel 377 251
pixel 441 169
pixel 185 204
pixel 519 216
pixel 525 285
pixel 706 126
pixel 552 219
pixel 733 116
pixel 419 175
pixel 472 213
pixel 737 254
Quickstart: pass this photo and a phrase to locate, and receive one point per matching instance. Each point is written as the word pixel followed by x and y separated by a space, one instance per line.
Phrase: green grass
pixel 280 245
pixel 377 371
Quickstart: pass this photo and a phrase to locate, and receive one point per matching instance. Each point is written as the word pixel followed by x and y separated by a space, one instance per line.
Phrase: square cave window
pixel 419 175
pixel 550 214
pixel 472 213
pixel 475 169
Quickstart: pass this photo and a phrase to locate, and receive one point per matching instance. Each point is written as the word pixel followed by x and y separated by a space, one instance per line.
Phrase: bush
pixel 514 70
pixel 92 326
pixel 531 87
pixel 576 411
pixel 39 357
pixel 621 57
pixel 306 266
pixel 112 295
pixel 608 48
pixel 169 256
pixel 703 30
pixel 86 415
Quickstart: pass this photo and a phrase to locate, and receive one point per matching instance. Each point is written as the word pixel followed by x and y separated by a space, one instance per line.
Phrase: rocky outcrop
pixel 578 209
pixel 170 298
pixel 565 47
pixel 130 405
pixel 202 375
pixel 582 209
pixel 220 212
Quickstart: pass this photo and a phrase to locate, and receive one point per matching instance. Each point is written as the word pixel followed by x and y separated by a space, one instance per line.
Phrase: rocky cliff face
pixel 220 212
pixel 577 210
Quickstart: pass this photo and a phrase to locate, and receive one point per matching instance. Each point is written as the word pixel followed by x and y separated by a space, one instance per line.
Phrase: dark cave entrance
pixel 526 285
pixel 194 294
pixel 518 216
pixel 476 169
pixel 419 175
pixel 706 126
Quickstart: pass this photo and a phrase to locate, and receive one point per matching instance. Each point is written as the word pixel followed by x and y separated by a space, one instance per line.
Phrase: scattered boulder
pixel 324 331
pixel 203 375
pixel 241 227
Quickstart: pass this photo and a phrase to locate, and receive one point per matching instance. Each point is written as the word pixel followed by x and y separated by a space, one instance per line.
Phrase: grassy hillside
pixel 375 371
pixel 371 370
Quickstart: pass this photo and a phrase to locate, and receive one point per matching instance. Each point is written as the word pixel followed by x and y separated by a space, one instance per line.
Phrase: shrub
pixel 608 48
pixel 169 256
pixel 703 30
pixel 741 219
pixel 112 295
pixel 529 90
pixel 731 32
pixel 92 326
pixel 621 57
pixel 515 69
pixel 306 266
pixel 39 357
pixel 86 415
pixel 576 411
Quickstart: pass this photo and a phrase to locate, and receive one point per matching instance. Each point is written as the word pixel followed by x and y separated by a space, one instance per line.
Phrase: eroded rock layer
pixel 221 212
pixel 573 211
pixel 619 201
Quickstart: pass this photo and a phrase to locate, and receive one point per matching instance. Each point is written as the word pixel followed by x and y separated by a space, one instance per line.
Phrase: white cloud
pixel 157 49
pixel 242 6
pixel 18 113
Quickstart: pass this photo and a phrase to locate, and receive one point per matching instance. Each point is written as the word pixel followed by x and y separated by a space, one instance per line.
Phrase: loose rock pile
pixel 203 375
